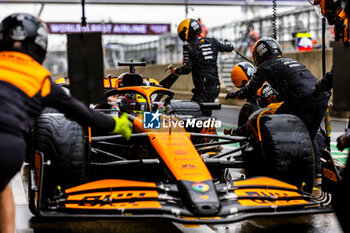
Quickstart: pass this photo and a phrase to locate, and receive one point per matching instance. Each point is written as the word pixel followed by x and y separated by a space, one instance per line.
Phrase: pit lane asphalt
pixel 27 223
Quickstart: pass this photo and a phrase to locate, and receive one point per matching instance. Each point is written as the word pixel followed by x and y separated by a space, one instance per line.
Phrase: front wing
pixel 255 197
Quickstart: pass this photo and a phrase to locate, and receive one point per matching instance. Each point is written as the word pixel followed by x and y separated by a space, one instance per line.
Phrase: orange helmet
pixel 242 73
pixel 188 29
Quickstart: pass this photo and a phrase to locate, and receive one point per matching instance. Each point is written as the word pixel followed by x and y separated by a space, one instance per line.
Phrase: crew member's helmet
pixel 133 103
pixel 242 73
pixel 24 33
pixel 188 29
pixel 264 48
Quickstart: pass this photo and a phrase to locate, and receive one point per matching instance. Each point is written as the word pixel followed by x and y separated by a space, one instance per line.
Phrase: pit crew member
pixel 291 79
pixel 200 57
pixel 25 89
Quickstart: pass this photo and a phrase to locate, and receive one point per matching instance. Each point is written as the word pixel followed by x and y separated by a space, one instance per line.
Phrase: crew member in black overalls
pixel 200 57
pixel 294 82
pixel 291 79
pixel 25 89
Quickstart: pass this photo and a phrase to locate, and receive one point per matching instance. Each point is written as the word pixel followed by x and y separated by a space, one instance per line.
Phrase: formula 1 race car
pixel 165 170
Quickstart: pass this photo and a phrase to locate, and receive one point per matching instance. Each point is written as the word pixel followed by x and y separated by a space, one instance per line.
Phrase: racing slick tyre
pixel 62 143
pixel 287 152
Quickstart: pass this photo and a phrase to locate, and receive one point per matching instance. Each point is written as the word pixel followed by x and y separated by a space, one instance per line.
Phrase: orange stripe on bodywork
pixel 274 107
pixel 257 202
pixel 201 218
pixel 179 154
pixel 265 193
pixel 123 205
pixel 110 183
pixel 258 123
pixel 24 72
pixel 264 181
pixel 89 134
pixel 115 195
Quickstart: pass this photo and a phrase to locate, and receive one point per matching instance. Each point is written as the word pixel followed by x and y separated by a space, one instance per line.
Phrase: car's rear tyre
pixel 62 143
pixel 287 151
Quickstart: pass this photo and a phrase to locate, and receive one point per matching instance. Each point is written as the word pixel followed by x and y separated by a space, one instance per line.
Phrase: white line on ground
pixel 18 192
pixel 193 228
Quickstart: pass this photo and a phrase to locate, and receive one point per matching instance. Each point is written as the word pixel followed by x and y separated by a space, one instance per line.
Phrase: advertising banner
pixel 109 28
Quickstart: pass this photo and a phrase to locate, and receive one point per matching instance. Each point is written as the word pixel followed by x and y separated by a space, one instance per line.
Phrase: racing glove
pixel 343 141
pixel 122 126
pixel 324 84
pixel 236 94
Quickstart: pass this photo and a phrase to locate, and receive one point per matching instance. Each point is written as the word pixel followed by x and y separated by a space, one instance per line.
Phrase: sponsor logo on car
pixel 200 187
pixel 204 197
pixel 180 152
pixel 188 166
pixel 329 175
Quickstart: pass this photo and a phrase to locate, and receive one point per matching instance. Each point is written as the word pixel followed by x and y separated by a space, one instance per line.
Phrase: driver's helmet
pixel 242 73
pixel 150 82
pixel 264 48
pixel 134 103
pixel 188 29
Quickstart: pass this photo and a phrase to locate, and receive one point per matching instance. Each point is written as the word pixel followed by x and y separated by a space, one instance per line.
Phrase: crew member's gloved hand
pixel 324 84
pixel 230 95
pixel 173 71
pixel 228 43
pixel 122 126
pixel 343 141
pixel 235 94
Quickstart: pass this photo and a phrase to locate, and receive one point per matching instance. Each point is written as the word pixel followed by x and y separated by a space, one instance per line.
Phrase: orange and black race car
pixel 164 170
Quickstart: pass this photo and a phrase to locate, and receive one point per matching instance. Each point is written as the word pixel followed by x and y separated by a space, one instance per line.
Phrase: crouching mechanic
pixel 200 57
pixel 291 79
pixel 25 88
pixel 241 74
pixel 293 82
